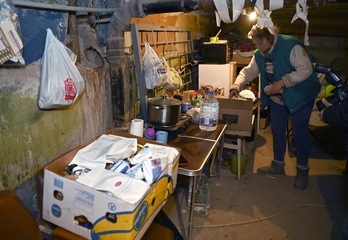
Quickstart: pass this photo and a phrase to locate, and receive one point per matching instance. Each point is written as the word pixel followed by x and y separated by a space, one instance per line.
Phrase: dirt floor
pixel 267 207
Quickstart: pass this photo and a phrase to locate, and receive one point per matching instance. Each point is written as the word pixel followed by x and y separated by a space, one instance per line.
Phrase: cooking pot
pixel 163 111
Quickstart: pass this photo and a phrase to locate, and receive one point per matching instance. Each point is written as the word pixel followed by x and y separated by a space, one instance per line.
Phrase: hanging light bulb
pixel 252 16
pixel 250 13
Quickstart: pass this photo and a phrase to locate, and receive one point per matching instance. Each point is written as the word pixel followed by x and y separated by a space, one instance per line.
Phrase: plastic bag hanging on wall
pixel 174 81
pixel 61 82
pixel 155 73
pixel 10 41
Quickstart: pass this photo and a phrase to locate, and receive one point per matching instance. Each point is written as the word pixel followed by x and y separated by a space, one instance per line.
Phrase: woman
pixel 289 87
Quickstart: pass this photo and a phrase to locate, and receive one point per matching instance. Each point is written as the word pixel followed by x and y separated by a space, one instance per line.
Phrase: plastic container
pixel 234 164
pixel 209 112
pixel 202 197
pixel 150 133
pixel 213 39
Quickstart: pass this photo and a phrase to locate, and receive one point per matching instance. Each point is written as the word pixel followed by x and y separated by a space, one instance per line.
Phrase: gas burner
pixel 165 127
pixel 174 131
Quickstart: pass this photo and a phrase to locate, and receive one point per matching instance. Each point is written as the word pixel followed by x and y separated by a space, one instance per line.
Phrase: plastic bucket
pixel 234 164
pixel 214 39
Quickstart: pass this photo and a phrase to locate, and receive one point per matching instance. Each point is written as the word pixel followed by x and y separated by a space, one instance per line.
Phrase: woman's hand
pixel 276 87
pixel 233 93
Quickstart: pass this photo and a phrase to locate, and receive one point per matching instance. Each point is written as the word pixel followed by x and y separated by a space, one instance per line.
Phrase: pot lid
pixel 164 101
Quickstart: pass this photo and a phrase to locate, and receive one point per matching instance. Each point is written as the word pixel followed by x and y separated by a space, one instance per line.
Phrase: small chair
pixel 16 220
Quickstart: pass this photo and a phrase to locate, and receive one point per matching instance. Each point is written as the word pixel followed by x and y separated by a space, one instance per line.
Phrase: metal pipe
pixel 155 6
pixel 59 7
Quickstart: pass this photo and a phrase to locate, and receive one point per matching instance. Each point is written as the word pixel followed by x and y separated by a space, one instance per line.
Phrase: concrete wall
pixel 31 137
pixel 201 24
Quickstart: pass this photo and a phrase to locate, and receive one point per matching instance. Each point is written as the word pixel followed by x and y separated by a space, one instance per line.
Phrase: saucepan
pixel 163 111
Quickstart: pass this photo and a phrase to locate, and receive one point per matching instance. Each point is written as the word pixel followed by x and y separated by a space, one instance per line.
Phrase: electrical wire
pixel 267 218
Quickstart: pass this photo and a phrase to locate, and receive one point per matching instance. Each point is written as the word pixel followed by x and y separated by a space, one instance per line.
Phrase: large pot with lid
pixel 163 111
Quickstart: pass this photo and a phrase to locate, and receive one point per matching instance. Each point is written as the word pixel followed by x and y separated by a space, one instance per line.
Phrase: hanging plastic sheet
pixel 61 82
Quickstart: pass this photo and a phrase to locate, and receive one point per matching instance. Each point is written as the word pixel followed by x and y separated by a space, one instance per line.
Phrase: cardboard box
pixel 11 36
pixel 241 60
pixel 155 231
pixel 65 201
pixel 238 114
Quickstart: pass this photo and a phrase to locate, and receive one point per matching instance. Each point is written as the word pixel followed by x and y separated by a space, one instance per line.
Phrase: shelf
pixel 172 43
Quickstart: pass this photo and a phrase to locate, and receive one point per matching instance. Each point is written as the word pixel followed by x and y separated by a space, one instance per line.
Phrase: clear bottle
pixel 209 112
pixel 202 196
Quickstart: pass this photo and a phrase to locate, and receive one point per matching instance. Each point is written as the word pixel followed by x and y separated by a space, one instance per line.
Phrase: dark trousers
pixel 346 145
pixel 300 120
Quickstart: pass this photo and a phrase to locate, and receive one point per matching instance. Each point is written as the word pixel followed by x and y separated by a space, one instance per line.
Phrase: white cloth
pixel 246 93
pixel 115 184
pixel 106 149
pixel 276 4
pixel 301 13
pixel 222 12
pixel 264 20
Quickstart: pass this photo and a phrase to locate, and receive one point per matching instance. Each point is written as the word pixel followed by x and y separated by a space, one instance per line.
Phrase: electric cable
pixel 269 217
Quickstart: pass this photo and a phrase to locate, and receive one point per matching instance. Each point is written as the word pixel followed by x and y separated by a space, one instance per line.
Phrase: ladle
pixel 216 38
pixel 218 33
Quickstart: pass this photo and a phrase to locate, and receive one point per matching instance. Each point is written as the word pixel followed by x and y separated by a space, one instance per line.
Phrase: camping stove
pixel 180 127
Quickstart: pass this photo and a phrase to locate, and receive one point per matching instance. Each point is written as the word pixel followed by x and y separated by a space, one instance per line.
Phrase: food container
pixel 163 111
pixel 214 39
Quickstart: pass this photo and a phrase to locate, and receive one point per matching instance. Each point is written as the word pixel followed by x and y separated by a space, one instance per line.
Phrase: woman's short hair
pixel 258 32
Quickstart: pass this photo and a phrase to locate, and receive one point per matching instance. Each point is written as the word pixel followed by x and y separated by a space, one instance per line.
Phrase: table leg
pixel 190 203
pixel 212 164
pixel 218 152
pixel 239 155
pixel 243 147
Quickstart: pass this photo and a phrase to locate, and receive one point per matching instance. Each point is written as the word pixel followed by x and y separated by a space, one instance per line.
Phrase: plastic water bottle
pixel 202 196
pixel 209 112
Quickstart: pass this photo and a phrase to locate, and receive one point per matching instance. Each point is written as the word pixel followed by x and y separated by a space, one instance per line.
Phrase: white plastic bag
pixel 118 185
pixel 61 82
pixel 155 73
pixel 107 148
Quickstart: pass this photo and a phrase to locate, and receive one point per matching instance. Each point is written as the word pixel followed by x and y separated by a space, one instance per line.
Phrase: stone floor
pixel 266 207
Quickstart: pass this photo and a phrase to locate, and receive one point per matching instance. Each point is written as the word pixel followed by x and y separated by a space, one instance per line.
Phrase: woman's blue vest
pixel 294 97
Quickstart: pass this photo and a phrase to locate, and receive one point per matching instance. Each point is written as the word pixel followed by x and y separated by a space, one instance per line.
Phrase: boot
pixel 275 168
pixel 301 179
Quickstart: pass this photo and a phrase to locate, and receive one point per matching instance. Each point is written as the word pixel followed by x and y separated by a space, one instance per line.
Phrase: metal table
pixel 198 147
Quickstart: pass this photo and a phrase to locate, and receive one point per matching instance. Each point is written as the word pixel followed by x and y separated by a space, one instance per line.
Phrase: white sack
pixel 106 149
pixel 115 184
